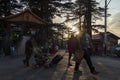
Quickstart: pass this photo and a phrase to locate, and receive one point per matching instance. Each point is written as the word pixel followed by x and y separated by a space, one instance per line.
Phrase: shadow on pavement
pixel 76 75
pixel 64 74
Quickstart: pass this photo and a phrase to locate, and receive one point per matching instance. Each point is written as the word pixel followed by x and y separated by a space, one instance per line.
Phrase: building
pixel 98 42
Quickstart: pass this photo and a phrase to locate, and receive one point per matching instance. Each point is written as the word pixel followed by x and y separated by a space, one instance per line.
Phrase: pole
pixel 105 35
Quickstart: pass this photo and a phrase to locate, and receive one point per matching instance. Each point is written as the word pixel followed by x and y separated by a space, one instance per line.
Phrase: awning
pixel 24 16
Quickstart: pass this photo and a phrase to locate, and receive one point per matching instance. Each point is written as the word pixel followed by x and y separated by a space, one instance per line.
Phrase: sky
pixel 113 22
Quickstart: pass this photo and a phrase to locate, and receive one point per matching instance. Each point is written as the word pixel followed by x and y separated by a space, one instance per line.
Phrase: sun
pixel 75 30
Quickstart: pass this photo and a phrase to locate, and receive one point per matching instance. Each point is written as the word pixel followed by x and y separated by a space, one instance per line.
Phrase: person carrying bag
pixel 78 56
pixel 85 45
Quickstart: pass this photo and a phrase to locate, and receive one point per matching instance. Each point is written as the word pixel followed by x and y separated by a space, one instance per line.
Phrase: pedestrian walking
pixel 72 46
pixel 85 42
pixel 28 50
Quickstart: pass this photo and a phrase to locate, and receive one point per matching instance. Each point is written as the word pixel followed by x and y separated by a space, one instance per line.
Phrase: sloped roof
pixel 24 16
pixel 111 34
pixel 99 36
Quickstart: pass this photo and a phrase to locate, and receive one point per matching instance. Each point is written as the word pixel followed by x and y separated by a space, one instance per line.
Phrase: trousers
pixel 87 59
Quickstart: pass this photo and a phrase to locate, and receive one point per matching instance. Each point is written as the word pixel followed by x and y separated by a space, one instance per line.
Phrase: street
pixel 12 68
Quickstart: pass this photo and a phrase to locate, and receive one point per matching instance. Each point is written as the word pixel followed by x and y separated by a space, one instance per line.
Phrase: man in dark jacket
pixel 28 51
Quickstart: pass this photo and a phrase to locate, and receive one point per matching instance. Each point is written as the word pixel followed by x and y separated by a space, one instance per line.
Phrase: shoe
pixel 94 72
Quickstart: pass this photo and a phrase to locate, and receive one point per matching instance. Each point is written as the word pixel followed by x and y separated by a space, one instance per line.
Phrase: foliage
pixel 9 7
pixel 85 12
pixel 48 10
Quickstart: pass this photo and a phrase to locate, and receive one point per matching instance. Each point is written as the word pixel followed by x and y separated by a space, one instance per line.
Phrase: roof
pixel 112 35
pixel 24 16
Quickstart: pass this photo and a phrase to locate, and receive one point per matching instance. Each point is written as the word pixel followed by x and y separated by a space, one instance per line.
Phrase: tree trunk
pixel 88 17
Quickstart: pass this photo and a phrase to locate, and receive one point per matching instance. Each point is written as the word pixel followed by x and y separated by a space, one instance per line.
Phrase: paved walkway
pixel 13 69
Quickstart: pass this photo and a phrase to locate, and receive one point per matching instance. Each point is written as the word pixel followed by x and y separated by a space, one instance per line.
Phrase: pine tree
pixel 48 10
pixel 85 12
pixel 9 7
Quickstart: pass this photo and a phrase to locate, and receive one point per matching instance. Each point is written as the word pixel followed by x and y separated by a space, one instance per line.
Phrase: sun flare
pixel 75 30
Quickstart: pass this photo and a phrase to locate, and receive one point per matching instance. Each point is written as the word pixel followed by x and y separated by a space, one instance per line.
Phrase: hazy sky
pixel 113 21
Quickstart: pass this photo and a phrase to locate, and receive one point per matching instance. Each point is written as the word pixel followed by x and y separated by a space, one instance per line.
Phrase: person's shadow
pixel 76 75
pixel 64 74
